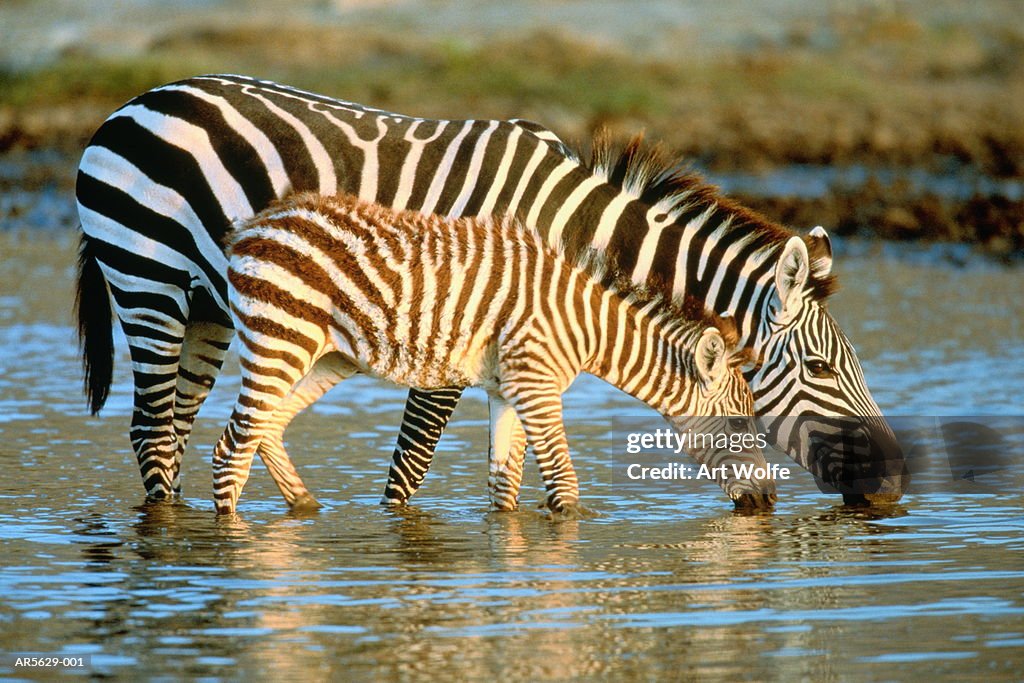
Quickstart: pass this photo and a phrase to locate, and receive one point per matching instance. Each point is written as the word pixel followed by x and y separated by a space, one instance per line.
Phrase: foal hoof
pixel 305 503
pixel 567 511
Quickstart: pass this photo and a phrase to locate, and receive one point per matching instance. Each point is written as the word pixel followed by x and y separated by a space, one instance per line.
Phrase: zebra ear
pixel 791 275
pixel 821 253
pixel 710 355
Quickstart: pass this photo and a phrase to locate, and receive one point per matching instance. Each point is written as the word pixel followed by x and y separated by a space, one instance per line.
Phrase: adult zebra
pixel 165 176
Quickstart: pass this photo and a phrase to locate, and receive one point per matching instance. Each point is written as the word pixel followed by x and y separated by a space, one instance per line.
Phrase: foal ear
pixel 710 355
pixel 791 275
pixel 820 252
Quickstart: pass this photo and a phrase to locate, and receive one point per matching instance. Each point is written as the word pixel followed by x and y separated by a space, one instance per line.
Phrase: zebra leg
pixel 264 388
pixel 152 433
pixel 426 415
pixel 153 321
pixel 505 456
pixel 233 454
pixel 540 410
pixel 202 355
pixel 270 370
pixel 327 372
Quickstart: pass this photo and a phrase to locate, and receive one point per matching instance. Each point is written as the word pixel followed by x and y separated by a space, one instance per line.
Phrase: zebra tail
pixel 95 327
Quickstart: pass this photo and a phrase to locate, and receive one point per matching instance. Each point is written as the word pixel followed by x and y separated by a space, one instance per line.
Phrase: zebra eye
pixel 739 424
pixel 819 368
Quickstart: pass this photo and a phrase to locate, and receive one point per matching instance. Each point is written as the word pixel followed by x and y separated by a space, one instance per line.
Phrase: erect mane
pixel 652 176
pixel 647 172
pixel 693 309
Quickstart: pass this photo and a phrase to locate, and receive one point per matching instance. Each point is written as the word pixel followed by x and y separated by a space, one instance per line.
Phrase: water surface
pixel 666 582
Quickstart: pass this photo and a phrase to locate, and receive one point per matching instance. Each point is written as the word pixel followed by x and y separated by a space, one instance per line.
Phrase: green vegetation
pixel 870 91
pixel 432 78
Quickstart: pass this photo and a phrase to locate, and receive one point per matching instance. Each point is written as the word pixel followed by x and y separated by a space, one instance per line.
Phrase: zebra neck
pixel 707 248
pixel 639 349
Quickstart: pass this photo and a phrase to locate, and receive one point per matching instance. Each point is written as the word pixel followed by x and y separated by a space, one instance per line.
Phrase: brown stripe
pixel 472 256
pixel 267 352
pixel 266 250
pixel 251 383
pixel 266 291
pixel 261 371
pixel 275 330
pixel 443 289
pixel 345 260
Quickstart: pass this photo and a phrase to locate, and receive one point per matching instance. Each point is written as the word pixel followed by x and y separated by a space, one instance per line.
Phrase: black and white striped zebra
pixel 166 175
pixel 429 302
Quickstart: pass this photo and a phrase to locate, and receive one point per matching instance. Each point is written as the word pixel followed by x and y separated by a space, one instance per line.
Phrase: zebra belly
pixel 422 366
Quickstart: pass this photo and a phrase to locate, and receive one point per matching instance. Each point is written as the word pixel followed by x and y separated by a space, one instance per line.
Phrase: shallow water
pixel 956 182
pixel 665 582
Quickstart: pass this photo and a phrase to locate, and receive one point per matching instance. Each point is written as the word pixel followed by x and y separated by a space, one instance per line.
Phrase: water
pixel 664 583
pixel 956 182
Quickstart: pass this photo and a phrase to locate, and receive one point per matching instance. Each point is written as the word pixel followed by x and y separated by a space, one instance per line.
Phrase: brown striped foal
pixel 325 287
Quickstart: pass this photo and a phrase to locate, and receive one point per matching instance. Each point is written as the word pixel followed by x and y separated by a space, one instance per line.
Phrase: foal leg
pixel 270 370
pixel 539 407
pixel 326 373
pixel 505 456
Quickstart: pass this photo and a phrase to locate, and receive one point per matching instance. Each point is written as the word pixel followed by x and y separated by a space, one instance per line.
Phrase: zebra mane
pixel 652 176
pixel 597 265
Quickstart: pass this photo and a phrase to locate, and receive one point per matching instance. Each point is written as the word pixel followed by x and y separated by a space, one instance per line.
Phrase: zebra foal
pixel 335 286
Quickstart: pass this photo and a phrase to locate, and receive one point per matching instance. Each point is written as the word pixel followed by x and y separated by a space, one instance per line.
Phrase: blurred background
pixel 898 119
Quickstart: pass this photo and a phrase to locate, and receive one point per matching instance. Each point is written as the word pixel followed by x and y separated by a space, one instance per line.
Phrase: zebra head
pixel 718 418
pixel 809 388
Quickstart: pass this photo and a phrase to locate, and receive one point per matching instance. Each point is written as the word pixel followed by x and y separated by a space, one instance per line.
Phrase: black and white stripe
pixel 166 175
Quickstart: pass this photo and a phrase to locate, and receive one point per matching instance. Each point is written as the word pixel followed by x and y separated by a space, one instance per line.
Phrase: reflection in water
pixel 663 584
pixel 645 589
pixel 98 540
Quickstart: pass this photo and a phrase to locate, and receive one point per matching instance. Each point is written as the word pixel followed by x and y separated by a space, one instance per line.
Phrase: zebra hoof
pixel 567 511
pixel 161 496
pixel 305 503
pixel 225 509
pixel 393 502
